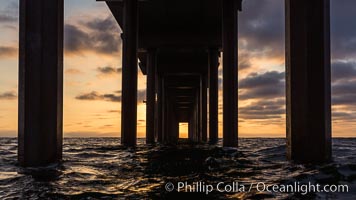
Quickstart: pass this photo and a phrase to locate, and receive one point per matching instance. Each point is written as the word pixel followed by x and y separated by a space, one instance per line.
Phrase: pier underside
pixel 177 45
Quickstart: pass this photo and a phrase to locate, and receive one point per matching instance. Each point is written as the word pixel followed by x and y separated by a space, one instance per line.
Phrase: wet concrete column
pixel 213 95
pixel 173 123
pixel 200 109
pixel 169 123
pixel 165 120
pixel 176 128
pixel 159 109
pixel 229 41
pixel 40 82
pixel 129 74
pixel 170 120
pixel 194 124
pixel 204 109
pixel 190 127
pixel 150 98
pixel 198 113
pixel 308 80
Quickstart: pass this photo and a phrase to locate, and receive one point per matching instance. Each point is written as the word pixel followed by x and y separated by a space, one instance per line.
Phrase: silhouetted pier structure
pixel 178 43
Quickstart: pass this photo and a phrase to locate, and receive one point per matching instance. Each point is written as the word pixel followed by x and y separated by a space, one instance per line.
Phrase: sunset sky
pixel 92 64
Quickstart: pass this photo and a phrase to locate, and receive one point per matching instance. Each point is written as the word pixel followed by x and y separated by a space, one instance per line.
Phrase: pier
pixel 177 44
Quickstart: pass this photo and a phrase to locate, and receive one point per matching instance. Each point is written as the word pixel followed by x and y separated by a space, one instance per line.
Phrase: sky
pixel 92 66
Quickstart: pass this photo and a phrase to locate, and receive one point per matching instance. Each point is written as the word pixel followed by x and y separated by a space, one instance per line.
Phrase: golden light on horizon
pixel 183 130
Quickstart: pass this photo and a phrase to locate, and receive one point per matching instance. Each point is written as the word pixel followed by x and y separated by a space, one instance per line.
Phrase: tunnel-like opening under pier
pixel 177 44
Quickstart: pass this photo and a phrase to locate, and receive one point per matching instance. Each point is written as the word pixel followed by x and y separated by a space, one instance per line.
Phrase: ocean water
pixel 99 168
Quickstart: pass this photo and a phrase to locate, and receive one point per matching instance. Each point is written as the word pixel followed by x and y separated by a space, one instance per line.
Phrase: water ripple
pixel 100 168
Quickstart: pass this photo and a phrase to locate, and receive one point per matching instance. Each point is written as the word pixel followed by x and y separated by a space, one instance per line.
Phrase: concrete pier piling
pixel 229 46
pixel 129 73
pixel 213 95
pixel 40 82
pixel 308 80
pixel 151 96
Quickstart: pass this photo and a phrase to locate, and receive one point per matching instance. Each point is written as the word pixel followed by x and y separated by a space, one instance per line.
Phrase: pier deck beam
pixel 229 43
pixel 129 74
pixel 40 83
pixel 308 80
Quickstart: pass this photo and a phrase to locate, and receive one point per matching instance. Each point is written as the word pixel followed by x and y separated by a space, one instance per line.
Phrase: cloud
pixel 10 27
pixel 7 18
pixel 344 83
pixel 141 95
pixel 262 29
pixel 267 85
pixel 344 93
pixel 343 32
pixel 343 116
pixel 8 95
pixel 108 24
pixel 271 85
pixel 114 111
pixel 9 13
pixel 73 71
pixel 342 70
pixel 244 61
pixel 97 96
pixel 261 32
pixel 263 109
pixel 7 51
pixel 75 39
pixel 266 79
pixel 97 35
pixel 113 97
pixel 261 26
pixel 108 71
